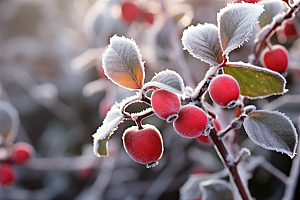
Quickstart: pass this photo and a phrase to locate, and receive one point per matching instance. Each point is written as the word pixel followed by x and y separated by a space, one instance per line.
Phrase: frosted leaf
pixel 272 8
pixel 256 82
pixel 167 80
pixel 122 63
pixel 202 42
pixel 9 121
pixel 216 189
pixel 113 118
pixel 272 130
pixel 190 189
pixel 236 23
pixel 86 60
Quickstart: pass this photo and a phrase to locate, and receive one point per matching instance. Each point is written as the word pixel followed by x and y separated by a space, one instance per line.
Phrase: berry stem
pixel 232 167
pixel 266 32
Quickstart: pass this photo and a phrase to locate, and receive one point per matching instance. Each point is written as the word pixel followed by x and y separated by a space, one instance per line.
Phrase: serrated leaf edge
pixel 228 50
pixel 293 128
pixel 133 43
pixel 165 86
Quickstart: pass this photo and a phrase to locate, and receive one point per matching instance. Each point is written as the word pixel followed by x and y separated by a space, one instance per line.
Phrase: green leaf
pixel 272 8
pixel 167 80
pixel 272 130
pixel 256 82
pixel 102 146
pixel 216 189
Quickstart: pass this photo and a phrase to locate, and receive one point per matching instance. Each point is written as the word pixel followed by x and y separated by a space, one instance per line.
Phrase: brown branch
pixel 232 167
pixel 267 32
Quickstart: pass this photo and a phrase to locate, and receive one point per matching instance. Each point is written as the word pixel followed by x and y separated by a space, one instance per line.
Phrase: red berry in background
pixel 130 11
pixel 22 152
pixel 202 139
pixel 165 104
pixel 145 145
pixel 288 32
pixel 148 17
pixel 224 90
pixel 275 59
pixel 191 122
pixel 7 174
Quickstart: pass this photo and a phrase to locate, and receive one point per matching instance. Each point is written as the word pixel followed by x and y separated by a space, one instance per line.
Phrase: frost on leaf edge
pixel 228 7
pixel 253 67
pixel 112 127
pixel 214 181
pixel 273 148
pixel 137 50
pixel 164 86
pixel 194 29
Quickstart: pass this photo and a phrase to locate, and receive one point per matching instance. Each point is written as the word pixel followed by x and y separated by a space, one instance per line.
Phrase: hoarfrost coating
pixel 236 23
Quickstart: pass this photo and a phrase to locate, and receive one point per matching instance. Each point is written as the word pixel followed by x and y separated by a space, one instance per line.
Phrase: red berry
pixel 191 122
pixel 202 139
pixel 165 104
pixel 275 59
pixel 148 17
pixel 7 174
pixel 21 152
pixel 130 11
pixel 145 145
pixel 224 90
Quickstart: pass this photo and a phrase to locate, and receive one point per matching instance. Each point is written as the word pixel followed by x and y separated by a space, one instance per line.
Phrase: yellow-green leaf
pixel 256 82
pixel 122 63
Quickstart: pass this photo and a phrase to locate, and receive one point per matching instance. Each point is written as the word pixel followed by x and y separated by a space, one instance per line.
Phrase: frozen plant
pixel 272 130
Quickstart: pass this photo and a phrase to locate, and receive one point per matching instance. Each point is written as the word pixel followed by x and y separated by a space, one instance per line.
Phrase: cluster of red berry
pixel 144 144
pixel 20 154
pixel 131 12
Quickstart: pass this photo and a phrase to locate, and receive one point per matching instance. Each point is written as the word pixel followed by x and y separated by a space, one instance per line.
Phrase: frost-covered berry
pixel 165 104
pixel 202 139
pixel 275 59
pixel 7 174
pixel 130 11
pixel 21 153
pixel 191 122
pixel 145 145
pixel 224 90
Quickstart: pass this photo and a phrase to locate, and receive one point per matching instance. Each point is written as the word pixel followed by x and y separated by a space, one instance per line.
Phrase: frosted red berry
pixel 202 139
pixel 191 122
pixel 7 174
pixel 275 59
pixel 130 11
pixel 224 90
pixel 145 145
pixel 165 104
pixel 22 152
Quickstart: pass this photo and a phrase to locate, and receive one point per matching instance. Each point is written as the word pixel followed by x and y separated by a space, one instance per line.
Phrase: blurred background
pixel 51 73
